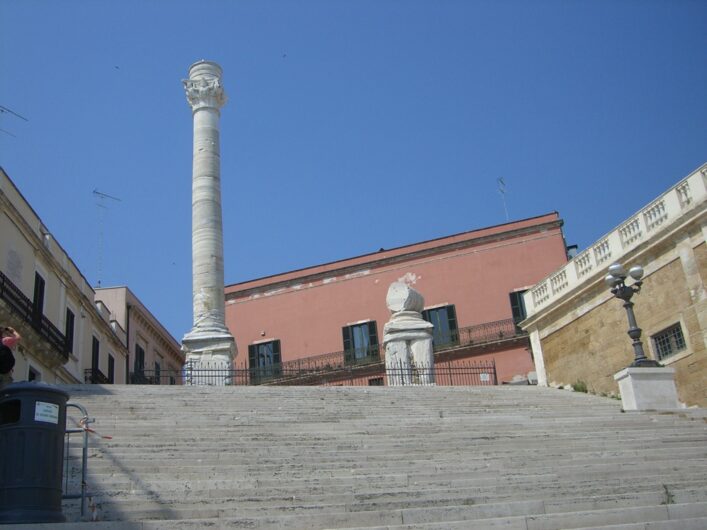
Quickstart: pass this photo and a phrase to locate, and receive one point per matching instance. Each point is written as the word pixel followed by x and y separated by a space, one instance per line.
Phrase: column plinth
pixel 209 344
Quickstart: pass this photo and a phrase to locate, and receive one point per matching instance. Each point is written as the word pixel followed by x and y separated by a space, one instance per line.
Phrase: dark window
pixel 111 369
pixel 69 331
pixel 669 341
pixel 265 359
pixel 375 381
pixel 445 331
pixel 517 306
pixel 95 354
pixel 361 343
pixel 38 300
pixel 34 375
pixel 158 372
pixel 139 359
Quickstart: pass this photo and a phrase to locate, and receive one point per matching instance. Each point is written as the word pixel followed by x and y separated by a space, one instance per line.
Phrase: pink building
pixel 332 315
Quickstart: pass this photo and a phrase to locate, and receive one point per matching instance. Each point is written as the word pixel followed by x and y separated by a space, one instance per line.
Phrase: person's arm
pixel 12 339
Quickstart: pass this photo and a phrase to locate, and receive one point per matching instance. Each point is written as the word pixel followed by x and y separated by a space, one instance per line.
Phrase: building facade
pixel 578 329
pixel 154 357
pixel 332 315
pixel 66 337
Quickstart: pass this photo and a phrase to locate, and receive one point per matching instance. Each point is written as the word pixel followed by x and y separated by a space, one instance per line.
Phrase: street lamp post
pixel 616 280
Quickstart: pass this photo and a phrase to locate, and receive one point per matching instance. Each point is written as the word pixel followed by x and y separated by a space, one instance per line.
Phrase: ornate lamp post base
pixel 647 388
pixel 645 363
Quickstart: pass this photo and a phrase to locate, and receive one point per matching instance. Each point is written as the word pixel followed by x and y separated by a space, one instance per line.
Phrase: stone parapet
pixel 686 196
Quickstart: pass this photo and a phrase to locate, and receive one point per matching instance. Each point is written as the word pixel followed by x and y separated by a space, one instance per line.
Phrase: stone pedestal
pixel 407 337
pixel 648 389
pixel 209 345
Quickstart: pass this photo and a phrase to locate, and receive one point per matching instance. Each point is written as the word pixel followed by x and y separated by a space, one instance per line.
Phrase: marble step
pixel 562 501
pixel 667 517
pixel 410 514
pixel 233 457
pixel 490 489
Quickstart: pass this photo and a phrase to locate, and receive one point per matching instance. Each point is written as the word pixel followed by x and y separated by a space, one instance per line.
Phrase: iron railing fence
pixel 480 334
pixel 469 373
pixel 448 373
pixel 479 373
pixel 477 335
pixel 335 360
pixel 333 366
pixel 95 376
pixel 24 308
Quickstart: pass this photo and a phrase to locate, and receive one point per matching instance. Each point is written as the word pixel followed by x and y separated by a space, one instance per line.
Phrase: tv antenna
pixel 5 110
pixel 502 191
pixel 101 202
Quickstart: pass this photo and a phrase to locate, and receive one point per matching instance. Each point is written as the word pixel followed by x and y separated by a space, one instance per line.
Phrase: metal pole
pixel 634 332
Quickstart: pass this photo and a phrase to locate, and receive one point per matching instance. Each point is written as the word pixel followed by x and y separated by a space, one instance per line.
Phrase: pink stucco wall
pixel 475 271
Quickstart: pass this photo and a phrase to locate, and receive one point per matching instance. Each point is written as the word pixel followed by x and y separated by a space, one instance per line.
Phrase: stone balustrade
pixel 688 194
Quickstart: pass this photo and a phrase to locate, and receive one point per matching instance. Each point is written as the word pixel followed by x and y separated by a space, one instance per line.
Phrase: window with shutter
pixel 517 306
pixel 444 319
pixel 264 360
pixel 360 343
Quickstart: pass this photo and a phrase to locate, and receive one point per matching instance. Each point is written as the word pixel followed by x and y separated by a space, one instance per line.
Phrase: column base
pixel 648 389
pixel 209 358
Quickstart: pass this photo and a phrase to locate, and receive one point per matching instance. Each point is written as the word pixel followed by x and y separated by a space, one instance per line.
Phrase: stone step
pixel 180 491
pixel 345 457
pixel 376 484
pixel 410 466
pixel 372 451
pixel 563 500
pixel 559 510
pixel 669 517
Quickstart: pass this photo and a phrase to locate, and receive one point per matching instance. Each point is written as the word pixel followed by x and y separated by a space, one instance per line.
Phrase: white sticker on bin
pixel 46 412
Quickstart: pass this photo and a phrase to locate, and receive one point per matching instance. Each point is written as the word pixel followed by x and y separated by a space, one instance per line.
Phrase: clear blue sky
pixel 350 126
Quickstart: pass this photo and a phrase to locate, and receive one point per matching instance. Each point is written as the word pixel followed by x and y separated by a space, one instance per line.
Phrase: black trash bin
pixel 32 428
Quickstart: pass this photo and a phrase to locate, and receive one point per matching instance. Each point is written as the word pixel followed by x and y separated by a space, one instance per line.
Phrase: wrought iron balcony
pixel 478 335
pixel 24 308
pixel 95 376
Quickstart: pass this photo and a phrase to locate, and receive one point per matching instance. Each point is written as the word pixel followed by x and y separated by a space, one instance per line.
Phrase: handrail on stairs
pixel 82 427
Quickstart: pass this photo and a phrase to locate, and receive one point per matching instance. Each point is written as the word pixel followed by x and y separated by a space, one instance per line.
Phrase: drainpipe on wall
pixel 127 343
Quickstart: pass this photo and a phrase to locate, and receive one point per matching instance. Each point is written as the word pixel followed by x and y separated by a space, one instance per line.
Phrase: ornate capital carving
pixel 205 93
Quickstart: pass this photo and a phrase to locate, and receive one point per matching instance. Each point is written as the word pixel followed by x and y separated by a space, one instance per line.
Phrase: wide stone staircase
pixel 512 457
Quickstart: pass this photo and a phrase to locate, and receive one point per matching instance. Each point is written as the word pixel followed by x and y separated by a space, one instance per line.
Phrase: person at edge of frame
pixel 10 338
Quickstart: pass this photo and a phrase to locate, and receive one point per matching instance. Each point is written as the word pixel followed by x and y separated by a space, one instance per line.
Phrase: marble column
pixel 407 338
pixel 209 346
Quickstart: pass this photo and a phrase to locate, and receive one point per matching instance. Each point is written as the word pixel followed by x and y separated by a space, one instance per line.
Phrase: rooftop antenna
pixel 502 191
pixel 101 199
pixel 5 110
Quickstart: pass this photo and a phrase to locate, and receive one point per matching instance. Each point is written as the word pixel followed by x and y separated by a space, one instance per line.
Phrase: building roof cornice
pixel 396 255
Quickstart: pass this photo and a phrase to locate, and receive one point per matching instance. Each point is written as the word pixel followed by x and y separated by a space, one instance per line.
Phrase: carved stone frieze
pixel 204 92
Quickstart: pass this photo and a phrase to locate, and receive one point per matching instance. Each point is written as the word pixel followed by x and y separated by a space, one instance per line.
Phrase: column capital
pixel 204 88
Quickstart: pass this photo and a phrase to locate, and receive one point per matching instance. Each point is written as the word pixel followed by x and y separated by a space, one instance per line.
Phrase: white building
pixel 67 337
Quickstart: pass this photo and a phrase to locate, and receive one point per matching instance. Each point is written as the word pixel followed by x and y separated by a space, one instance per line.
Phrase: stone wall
pixel 594 346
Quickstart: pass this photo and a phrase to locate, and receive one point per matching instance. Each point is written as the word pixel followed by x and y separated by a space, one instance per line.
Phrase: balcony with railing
pixel 95 376
pixel 24 308
pixel 687 195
